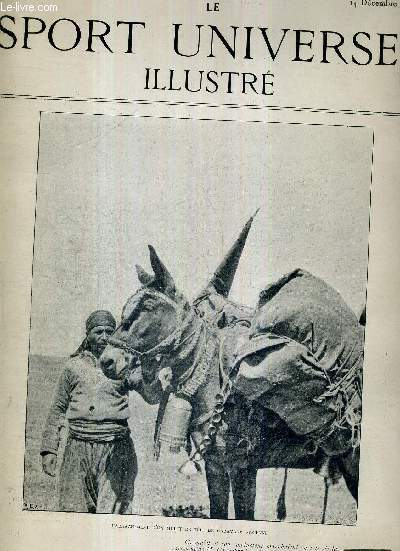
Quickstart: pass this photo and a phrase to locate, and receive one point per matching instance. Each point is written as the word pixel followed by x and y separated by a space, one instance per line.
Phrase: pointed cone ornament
pixel 224 275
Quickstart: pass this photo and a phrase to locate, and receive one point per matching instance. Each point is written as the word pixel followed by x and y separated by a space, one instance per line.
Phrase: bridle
pixel 215 415
pixel 121 345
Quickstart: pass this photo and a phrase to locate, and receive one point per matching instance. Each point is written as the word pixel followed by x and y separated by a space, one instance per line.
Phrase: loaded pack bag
pixel 303 359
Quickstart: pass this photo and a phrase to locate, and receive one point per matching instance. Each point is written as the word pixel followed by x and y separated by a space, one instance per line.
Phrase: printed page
pixel 199 266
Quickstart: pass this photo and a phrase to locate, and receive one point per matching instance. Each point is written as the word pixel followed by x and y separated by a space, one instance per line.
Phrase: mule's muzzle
pixel 109 361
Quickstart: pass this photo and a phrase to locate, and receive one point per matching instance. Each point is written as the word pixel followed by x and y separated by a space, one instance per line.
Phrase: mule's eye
pixel 148 305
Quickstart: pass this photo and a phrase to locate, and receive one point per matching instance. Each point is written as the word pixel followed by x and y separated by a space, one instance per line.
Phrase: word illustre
pixel 209 81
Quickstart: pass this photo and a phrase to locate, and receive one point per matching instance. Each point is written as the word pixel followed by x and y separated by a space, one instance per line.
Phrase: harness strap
pixel 116 343
pixel 119 343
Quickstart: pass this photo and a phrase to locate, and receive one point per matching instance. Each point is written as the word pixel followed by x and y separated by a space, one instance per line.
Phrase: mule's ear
pixel 163 277
pixel 143 276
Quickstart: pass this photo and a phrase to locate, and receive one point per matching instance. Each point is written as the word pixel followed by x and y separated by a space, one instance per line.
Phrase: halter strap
pixel 157 294
pixel 147 353
pixel 118 343
pixel 165 298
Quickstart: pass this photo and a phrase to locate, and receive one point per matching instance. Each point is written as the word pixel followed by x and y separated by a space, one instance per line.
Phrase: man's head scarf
pixel 100 318
pixel 95 319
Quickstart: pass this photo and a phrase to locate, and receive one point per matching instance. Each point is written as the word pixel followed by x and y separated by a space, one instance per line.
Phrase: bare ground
pixel 159 484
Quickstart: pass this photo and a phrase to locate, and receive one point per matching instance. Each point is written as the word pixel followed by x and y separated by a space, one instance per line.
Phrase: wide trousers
pixel 98 477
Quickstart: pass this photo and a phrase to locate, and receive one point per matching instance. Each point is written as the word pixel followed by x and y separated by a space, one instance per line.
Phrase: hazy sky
pixel 108 185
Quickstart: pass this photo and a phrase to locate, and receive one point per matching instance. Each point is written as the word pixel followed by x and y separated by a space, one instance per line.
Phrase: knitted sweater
pixel 96 407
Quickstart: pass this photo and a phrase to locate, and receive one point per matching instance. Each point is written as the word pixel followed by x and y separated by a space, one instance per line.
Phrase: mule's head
pixel 148 318
pixel 154 311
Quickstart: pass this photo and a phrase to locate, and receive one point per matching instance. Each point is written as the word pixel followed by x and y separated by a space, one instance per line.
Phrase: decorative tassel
pixel 190 468
pixel 324 467
pixel 281 503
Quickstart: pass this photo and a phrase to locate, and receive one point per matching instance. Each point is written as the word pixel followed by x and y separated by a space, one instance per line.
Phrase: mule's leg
pixel 244 492
pixel 349 464
pixel 218 484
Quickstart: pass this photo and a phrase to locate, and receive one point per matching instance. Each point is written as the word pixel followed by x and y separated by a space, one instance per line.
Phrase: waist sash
pixel 98 431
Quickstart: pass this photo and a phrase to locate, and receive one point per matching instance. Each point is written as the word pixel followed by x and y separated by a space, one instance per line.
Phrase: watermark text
pixel 27 8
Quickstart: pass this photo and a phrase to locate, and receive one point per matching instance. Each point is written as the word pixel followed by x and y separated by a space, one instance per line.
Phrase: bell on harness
pixel 175 423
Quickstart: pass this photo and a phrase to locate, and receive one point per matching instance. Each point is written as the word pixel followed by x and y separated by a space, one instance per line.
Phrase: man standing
pixel 99 465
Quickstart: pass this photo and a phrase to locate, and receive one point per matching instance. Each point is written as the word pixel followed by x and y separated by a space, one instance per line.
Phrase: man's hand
pixel 134 378
pixel 49 463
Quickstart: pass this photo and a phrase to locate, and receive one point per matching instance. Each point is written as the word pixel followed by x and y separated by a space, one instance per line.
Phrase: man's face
pixel 97 338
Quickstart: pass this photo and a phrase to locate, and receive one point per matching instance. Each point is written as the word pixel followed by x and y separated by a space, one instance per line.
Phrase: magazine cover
pixel 200 258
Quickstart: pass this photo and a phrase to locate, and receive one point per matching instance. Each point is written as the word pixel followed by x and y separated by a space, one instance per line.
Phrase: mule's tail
pixel 281 503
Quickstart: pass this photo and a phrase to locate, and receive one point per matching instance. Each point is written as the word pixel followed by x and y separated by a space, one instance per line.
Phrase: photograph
pixel 198 307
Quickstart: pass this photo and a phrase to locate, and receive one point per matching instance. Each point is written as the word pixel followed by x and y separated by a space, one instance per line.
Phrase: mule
pixel 161 332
